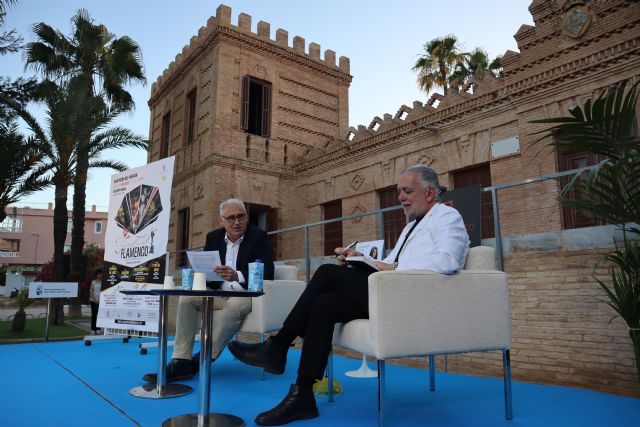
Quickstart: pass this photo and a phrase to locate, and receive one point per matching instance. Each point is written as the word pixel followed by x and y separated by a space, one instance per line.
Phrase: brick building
pixel 252 117
pixel 26 242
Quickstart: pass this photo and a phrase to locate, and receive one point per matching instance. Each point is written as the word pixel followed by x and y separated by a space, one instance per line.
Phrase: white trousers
pixel 230 313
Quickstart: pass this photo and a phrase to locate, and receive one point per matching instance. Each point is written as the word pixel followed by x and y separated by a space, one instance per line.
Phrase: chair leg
pixel 432 372
pixel 262 376
pixel 330 393
pixel 235 338
pixel 506 367
pixel 382 390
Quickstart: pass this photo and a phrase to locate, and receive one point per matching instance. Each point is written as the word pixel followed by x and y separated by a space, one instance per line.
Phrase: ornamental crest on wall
pixel 199 194
pixel 356 181
pixel 426 160
pixel 576 19
pixel 357 209
pixel 386 169
pixel 328 186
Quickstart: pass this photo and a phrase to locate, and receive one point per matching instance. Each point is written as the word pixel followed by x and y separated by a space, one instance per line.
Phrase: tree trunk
pixel 3 214
pixel 78 267
pixel 60 217
pixel 443 75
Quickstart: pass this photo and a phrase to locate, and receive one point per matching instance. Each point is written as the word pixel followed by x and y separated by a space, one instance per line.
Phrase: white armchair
pixel 269 310
pixel 421 313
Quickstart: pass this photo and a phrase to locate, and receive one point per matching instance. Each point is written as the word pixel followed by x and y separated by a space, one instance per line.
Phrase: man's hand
pixel 382 266
pixel 343 253
pixel 227 273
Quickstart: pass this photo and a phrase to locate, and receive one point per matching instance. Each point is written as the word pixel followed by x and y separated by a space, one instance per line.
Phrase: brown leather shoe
pixel 177 370
pixel 298 404
pixel 268 355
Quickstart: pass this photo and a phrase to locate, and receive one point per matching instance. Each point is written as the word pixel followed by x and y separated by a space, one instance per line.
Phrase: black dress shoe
pixel 268 355
pixel 195 363
pixel 298 404
pixel 177 370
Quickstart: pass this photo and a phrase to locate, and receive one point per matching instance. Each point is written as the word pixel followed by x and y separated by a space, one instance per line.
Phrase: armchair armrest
pixel 421 312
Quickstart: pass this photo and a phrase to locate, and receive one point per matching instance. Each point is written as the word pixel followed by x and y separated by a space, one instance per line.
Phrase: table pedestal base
pixel 211 420
pixel 152 391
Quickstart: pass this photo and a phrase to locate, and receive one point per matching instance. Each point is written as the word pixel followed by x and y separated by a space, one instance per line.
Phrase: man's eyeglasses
pixel 233 218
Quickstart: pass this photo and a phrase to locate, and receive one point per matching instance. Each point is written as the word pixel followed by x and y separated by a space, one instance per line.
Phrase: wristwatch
pixel 395 265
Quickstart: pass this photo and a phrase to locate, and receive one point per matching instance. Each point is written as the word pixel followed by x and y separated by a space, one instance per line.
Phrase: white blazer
pixel 439 243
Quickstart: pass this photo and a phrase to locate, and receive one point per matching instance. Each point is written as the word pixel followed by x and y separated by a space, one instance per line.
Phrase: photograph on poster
pixel 139 208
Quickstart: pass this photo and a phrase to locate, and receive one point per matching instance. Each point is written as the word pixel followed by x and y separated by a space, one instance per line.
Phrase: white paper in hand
pixel 205 262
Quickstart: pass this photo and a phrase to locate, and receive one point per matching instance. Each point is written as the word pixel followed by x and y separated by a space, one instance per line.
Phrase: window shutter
pixel 245 102
pixel 266 109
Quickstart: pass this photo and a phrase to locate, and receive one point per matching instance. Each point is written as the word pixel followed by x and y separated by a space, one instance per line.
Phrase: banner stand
pixel 46 321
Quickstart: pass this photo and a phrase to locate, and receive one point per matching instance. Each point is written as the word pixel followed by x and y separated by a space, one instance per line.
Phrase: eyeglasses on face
pixel 233 218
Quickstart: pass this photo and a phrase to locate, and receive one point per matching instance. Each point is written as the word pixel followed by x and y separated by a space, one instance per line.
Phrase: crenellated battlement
pixel 222 21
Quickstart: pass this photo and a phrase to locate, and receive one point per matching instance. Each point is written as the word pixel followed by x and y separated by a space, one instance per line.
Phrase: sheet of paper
pixel 204 262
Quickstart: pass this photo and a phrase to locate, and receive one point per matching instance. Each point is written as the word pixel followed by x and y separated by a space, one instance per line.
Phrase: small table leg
pixel 204 417
pixel 161 390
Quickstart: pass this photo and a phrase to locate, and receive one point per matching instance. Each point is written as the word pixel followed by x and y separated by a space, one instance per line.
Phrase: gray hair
pixel 428 177
pixel 231 202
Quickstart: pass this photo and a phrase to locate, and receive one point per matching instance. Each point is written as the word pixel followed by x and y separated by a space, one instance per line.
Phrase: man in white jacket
pixel 435 239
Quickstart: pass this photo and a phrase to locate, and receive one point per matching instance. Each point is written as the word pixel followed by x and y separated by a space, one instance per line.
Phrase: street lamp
pixel 35 255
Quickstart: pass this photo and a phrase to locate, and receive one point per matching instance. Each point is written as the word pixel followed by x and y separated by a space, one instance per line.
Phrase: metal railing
pixel 11 229
pixel 9 254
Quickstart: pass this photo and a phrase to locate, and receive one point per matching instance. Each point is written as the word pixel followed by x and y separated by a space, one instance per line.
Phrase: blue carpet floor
pixel 68 384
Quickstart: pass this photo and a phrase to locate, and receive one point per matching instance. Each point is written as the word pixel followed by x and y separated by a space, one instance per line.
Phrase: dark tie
pixel 418 219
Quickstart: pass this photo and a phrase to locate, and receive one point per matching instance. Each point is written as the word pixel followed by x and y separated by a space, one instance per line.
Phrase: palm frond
pixel 110 164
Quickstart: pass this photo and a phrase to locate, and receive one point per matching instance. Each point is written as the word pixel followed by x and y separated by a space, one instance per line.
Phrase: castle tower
pixel 237 109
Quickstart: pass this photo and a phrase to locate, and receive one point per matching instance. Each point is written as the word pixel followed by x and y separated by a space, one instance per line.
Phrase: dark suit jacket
pixel 254 246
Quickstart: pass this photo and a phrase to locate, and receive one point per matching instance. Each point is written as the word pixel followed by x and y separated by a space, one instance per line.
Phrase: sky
pixel 382 39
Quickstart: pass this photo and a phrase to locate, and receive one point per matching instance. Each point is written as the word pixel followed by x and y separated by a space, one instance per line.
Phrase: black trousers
pixel 94 315
pixel 335 294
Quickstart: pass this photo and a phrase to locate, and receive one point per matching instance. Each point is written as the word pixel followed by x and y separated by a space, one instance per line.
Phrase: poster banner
pixel 138 224
pixel 129 312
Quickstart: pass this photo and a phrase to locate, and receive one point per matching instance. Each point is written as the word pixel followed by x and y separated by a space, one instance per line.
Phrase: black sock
pixel 305 382
pixel 284 337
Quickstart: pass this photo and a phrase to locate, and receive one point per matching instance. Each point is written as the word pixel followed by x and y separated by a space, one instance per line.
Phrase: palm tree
pixel 438 63
pixel 476 66
pixel 102 61
pixel 495 66
pixel 9 40
pixel 611 189
pixel 57 143
pixel 20 157
pixel 70 114
pixel 21 88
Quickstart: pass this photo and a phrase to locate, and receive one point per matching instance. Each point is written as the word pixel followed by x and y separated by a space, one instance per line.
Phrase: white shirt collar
pixel 229 242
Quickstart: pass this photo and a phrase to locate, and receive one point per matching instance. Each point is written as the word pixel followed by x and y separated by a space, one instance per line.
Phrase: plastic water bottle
pixel 187 278
pixel 256 275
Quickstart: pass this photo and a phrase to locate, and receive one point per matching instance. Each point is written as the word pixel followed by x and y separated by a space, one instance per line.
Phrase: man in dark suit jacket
pixel 238 243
